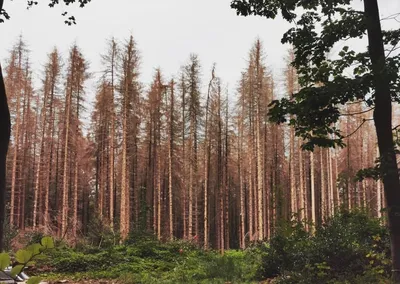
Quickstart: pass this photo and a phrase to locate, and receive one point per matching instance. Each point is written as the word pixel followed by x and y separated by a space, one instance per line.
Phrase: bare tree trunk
pixel 313 195
pixel 112 145
pixel 16 139
pixel 50 133
pixel 191 181
pixel 124 213
pixel 39 165
pixel 75 197
pixel 5 130
pixel 159 195
pixel 226 187
pixel 65 196
pixel 323 186
pixel 207 149
pixel 331 184
pixel 251 197
pixel 293 191
pixel 302 195
pixel 241 181
pixel 337 194
pixel 170 160
pixel 260 194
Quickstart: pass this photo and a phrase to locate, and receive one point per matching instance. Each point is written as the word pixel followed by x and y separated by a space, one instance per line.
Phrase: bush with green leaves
pixel 347 247
pixel 25 257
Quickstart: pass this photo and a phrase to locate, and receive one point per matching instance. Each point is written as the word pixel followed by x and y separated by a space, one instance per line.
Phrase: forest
pixel 168 158
pixel 285 177
pixel 171 159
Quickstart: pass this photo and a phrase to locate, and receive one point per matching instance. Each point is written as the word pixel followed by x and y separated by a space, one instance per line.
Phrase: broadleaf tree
pixel 5 121
pixel 326 84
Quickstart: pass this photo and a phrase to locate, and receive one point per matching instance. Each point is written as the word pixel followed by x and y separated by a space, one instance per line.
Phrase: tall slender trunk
pixel 20 208
pixel 112 145
pixel 5 131
pixel 39 165
pixel 383 125
pixel 191 181
pixel 124 211
pixel 378 192
pixel 170 157
pixel 313 195
pixel 260 194
pixel 250 193
pixel 16 143
pixel 337 193
pixel 226 187
pixel 302 195
pixel 65 196
pixel 323 187
pixel 331 183
pixel 241 181
pixel 207 149
pixel 184 183
pixel 159 194
pixel 75 196
pixel 50 133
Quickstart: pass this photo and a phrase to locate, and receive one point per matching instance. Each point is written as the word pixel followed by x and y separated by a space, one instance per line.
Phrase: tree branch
pixel 358 128
pixel 355 113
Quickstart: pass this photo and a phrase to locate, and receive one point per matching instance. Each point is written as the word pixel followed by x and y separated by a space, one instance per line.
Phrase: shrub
pixel 346 247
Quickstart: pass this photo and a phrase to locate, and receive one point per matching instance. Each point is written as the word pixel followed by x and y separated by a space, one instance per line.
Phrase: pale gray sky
pixel 166 32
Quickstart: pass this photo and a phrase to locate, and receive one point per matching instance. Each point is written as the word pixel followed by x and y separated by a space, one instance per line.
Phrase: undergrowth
pixel 348 248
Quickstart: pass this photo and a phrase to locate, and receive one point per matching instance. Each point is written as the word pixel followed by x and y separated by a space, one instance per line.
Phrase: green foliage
pixel 349 246
pixel 326 83
pixel 34 237
pixel 100 234
pixel 24 257
pixel 144 259
pixel 33 280
pixel 10 232
pixel 4 260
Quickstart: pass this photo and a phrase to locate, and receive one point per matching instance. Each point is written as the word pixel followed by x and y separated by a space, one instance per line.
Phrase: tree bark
pixel 313 195
pixel 170 157
pixel 383 125
pixel 207 149
pixel 5 131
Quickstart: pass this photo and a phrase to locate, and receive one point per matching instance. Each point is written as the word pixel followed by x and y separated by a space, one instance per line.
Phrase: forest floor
pixel 349 248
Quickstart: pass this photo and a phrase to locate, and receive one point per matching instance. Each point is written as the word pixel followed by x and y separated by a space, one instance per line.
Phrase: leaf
pixel 35 248
pixel 4 260
pixel 16 270
pixel 47 242
pixel 33 280
pixel 23 256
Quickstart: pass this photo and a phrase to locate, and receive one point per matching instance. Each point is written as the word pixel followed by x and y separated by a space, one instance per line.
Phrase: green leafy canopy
pixel 326 84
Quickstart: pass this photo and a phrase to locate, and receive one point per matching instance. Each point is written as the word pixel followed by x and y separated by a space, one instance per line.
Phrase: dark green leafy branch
pixel 325 87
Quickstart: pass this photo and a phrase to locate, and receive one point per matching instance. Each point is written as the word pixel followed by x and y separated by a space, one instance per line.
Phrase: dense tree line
pixel 183 157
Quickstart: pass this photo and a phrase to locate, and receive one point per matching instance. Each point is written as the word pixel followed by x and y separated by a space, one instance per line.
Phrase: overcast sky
pixel 166 32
